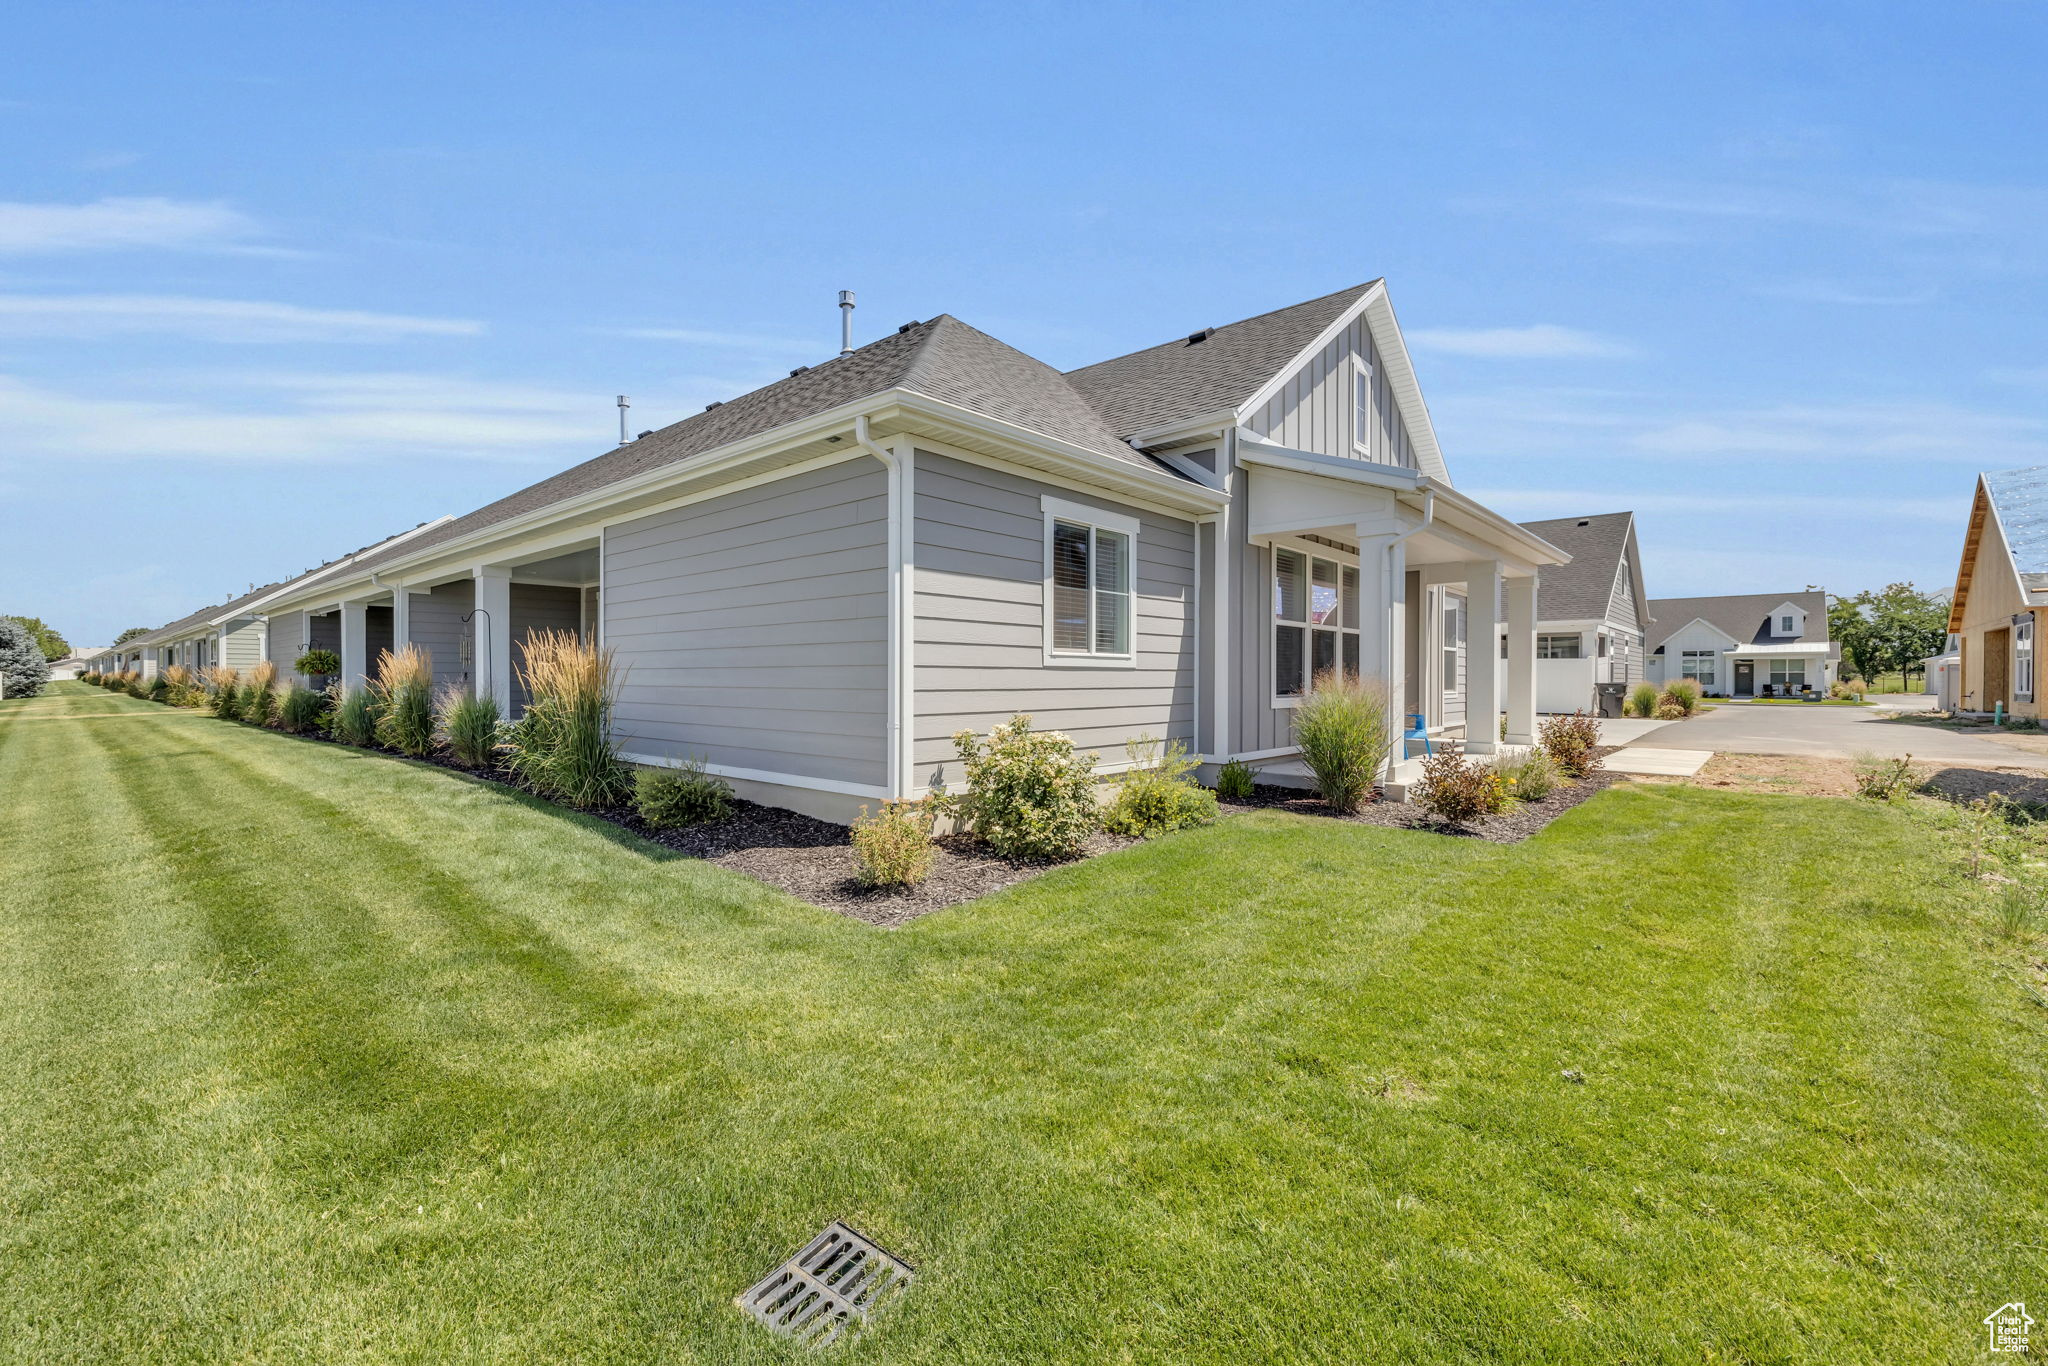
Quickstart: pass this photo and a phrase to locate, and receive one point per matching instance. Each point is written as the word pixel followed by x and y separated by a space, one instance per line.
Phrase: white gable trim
pixel 1665 636
pixel 1378 312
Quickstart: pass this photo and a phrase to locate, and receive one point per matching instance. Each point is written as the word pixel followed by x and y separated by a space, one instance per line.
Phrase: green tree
pixel 23 670
pixel 1850 627
pixel 1889 629
pixel 130 634
pixel 53 645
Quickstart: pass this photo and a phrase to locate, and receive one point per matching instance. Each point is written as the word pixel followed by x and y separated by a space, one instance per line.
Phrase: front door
pixel 1997 674
pixel 1745 678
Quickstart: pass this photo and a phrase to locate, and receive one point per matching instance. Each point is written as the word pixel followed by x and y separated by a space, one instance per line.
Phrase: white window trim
pixel 1313 551
pixel 2023 661
pixel 1052 510
pixel 1361 442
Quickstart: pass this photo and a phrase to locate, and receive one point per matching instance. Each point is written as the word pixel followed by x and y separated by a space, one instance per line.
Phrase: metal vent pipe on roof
pixel 845 322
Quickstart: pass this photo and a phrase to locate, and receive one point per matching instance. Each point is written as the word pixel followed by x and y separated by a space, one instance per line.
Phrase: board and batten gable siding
pixel 1621 603
pixel 980 613
pixel 437 627
pixel 1313 410
pixel 1694 635
pixel 752 628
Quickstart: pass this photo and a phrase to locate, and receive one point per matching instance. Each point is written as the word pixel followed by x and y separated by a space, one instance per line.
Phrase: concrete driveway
pixel 1830 733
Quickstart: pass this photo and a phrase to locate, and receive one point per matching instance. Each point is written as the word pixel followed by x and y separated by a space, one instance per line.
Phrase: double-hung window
pixel 1315 620
pixel 1361 409
pixel 1090 588
pixel 2023 659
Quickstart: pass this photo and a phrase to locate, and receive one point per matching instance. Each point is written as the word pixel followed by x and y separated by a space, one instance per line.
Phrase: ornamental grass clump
pixel 1156 794
pixel 1642 700
pixel 259 694
pixel 668 798
pixel 405 701
pixel 1456 790
pixel 470 725
pixel 563 747
pixel 223 688
pixel 158 688
pixel 1685 693
pixel 354 721
pixel 1529 774
pixel 301 709
pixel 1570 741
pixel 1342 729
pixel 1028 794
pixel 894 847
pixel 180 686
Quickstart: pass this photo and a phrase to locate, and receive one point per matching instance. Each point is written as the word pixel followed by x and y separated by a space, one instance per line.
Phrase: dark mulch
pixel 1511 827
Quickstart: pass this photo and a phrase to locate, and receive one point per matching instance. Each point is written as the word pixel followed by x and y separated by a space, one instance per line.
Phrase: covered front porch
pixel 1388 574
pixel 472 625
pixel 1789 670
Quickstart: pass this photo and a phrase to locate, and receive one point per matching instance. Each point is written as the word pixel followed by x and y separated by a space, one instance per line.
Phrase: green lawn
pixel 313 1055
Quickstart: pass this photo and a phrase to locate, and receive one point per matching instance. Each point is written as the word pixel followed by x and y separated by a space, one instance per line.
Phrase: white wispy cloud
pixel 1540 341
pixel 730 341
pixel 91 316
pixel 1853 296
pixel 312 418
pixel 121 224
pixel 1536 504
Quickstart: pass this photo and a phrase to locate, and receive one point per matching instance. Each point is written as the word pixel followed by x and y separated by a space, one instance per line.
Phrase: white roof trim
pixel 1697 621
pixel 1807 647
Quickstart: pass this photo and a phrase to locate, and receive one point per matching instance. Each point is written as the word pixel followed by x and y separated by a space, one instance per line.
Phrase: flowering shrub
pixel 1156 794
pixel 1455 790
pixel 1529 774
pixel 894 846
pixel 1029 796
pixel 1570 741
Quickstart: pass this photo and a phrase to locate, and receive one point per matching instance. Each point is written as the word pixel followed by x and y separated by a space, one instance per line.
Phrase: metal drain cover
pixel 839 1279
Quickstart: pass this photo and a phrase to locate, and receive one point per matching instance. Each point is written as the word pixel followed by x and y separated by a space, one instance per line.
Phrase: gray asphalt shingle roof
pixel 1745 616
pixel 1185 378
pixel 1582 589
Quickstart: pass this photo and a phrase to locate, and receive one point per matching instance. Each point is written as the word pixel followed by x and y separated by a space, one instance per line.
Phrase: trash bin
pixel 1611 695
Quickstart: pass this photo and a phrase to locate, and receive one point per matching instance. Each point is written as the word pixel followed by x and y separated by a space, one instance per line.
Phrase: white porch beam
pixel 1521 681
pixel 355 644
pixel 1482 656
pixel 492 625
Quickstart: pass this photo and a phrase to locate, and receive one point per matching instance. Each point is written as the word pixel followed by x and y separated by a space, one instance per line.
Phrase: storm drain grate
pixel 839 1279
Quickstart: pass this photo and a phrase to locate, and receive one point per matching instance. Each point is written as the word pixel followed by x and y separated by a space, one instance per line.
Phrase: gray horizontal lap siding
pixel 752 628
pixel 437 627
pixel 539 607
pixel 980 554
pixel 241 644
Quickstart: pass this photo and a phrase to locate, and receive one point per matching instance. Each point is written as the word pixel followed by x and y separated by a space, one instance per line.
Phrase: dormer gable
pixel 1787 621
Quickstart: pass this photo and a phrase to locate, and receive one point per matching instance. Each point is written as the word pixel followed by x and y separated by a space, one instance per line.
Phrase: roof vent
pixel 798 371
pixel 644 435
pixel 906 327
pixel 1585 521
pixel 715 403
pixel 1197 338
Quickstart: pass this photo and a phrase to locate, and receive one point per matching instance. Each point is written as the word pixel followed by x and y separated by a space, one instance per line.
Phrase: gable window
pixel 1784 626
pixel 2023 659
pixel 1090 584
pixel 1315 620
pixel 1697 665
pixel 1361 408
pixel 1567 646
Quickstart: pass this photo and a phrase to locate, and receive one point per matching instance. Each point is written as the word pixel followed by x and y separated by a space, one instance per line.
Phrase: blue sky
pixel 275 282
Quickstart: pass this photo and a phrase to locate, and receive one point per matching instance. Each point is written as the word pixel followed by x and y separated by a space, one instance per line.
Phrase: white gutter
pixel 902 632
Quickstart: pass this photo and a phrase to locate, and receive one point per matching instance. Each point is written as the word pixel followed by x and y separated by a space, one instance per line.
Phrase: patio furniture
pixel 1417 730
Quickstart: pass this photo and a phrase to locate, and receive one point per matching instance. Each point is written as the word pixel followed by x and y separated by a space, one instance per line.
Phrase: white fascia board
pixel 1537 550
pixel 1253 449
pixel 1690 623
pixel 1186 430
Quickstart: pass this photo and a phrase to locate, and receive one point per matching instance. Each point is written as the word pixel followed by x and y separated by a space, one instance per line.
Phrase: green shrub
pixel 158 688
pixel 1570 742
pixel 355 718
pixel 1028 795
pixel 1642 700
pixel 894 847
pixel 136 684
pixel 1156 794
pixel 563 747
pixel 471 727
pixel 1884 778
pixel 685 795
pixel 405 701
pixel 1234 781
pixel 1528 774
pixel 24 668
pixel 318 663
pixel 2019 911
pixel 1668 710
pixel 1685 692
pixel 1342 729
pixel 1456 790
pixel 300 709
pixel 224 687
pixel 259 694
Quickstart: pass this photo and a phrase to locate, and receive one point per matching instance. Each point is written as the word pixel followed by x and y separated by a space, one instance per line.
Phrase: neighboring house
pixel 2001 586
pixel 812 587
pixel 77 662
pixel 1590 624
pixel 1744 645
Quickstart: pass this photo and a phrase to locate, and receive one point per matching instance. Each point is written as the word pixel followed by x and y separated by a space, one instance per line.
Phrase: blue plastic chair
pixel 1416 731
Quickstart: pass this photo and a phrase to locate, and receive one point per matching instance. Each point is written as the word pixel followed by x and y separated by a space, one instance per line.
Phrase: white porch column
pixel 355 645
pixel 1521 698
pixel 493 627
pixel 1482 656
pixel 401 618
pixel 1380 624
